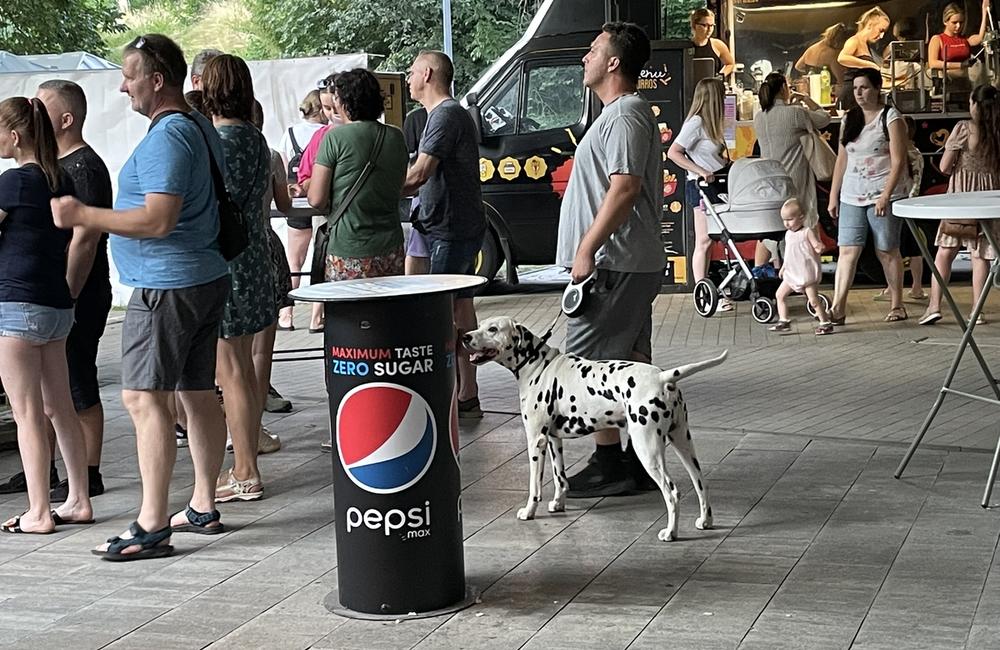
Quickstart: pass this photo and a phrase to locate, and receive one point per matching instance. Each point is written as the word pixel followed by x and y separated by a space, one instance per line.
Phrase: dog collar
pixel 542 340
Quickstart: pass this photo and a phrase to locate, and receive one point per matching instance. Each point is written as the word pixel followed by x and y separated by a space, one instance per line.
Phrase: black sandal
pixel 151 544
pixel 198 522
pixel 59 521
pixel 15 528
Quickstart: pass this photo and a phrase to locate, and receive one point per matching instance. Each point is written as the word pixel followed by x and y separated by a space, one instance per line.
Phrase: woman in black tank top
pixel 858 52
pixel 706 47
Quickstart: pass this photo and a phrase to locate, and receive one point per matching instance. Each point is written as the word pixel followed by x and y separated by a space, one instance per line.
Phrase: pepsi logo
pixel 386 437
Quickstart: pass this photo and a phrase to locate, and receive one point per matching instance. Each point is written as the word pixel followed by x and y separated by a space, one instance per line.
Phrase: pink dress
pixel 801 265
pixel 971 174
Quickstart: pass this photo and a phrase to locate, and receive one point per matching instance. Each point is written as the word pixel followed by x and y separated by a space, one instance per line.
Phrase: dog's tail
pixel 675 375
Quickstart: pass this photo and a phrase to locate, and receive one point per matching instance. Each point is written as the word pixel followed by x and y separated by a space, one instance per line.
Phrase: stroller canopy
pixel 758 184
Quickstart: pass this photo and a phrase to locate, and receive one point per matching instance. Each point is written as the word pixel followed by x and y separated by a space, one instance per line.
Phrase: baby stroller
pixel 751 210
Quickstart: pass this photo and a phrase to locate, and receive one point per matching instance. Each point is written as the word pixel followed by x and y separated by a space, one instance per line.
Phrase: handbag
pixel 960 228
pixel 822 159
pixel 317 272
pixel 232 237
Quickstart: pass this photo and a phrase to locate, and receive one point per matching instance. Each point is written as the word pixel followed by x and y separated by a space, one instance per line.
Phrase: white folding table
pixel 966 205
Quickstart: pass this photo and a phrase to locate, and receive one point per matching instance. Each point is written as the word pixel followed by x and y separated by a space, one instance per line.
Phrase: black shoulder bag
pixel 317 272
pixel 232 237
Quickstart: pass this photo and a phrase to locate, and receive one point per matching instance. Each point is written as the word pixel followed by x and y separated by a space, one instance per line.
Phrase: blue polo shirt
pixel 172 159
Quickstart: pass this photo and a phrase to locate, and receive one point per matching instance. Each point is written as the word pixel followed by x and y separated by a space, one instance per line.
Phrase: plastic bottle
pixel 825 87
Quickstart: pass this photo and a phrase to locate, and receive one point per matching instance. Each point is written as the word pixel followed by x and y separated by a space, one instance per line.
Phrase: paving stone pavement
pixel 815 545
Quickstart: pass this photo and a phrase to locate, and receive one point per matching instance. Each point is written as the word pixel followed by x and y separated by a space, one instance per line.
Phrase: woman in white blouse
pixel 700 150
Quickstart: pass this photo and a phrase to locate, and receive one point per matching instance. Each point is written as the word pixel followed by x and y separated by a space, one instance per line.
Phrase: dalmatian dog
pixel 564 396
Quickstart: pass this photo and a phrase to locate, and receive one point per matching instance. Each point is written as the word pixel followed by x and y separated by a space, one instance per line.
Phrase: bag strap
pixel 295 145
pixel 218 182
pixel 362 177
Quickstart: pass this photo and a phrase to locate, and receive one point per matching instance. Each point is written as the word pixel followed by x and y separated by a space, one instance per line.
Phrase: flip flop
pixel 59 521
pixel 896 315
pixel 15 528
pixel 930 318
pixel 151 545
pixel 198 522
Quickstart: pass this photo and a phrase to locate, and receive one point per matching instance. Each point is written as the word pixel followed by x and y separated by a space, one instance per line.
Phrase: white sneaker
pixel 275 403
pixel 268 443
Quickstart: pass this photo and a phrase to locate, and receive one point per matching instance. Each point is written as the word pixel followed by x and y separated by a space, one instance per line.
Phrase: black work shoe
pixel 600 478
pixel 61 492
pixel 643 481
pixel 17 482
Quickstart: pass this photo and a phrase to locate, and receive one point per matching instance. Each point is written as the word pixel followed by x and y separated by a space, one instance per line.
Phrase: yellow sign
pixel 535 167
pixel 509 168
pixel 486 170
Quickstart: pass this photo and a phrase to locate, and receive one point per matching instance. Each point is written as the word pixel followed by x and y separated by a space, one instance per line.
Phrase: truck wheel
pixel 489 259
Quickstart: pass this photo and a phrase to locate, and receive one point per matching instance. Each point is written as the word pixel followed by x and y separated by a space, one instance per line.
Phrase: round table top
pixel 960 205
pixel 393 286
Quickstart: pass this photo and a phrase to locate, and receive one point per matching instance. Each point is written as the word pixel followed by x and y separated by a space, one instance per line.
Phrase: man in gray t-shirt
pixel 609 223
pixel 446 172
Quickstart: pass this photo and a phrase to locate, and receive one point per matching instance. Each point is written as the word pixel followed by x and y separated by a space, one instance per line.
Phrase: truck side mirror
pixel 472 105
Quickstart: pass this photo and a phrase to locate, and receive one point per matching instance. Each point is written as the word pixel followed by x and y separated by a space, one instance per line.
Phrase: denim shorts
pixel 36 324
pixel 854 222
pixel 456 256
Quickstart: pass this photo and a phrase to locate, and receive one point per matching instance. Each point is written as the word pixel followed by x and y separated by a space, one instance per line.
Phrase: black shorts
pixel 91 316
pixel 300 223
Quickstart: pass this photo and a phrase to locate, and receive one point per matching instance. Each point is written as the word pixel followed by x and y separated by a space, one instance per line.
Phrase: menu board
pixel 665 82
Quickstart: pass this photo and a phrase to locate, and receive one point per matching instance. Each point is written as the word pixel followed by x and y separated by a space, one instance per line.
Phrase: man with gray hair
pixel 198 64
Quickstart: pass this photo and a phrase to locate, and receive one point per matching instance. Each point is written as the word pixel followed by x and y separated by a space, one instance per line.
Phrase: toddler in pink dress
pixel 801 271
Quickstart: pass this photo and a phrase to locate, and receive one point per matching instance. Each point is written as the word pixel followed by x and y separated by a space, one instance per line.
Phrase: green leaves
pixel 44 26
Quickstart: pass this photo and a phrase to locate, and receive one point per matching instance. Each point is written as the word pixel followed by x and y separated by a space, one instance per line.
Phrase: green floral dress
pixel 251 306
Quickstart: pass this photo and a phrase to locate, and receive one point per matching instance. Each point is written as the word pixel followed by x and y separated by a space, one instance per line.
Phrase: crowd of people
pixel 200 327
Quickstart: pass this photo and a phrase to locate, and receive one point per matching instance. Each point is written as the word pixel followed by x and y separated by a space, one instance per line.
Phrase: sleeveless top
pixel 706 52
pixel 846 97
pixel 954 49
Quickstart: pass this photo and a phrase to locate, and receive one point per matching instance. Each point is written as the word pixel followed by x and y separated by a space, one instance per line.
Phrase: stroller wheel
pixel 826 305
pixel 706 298
pixel 764 310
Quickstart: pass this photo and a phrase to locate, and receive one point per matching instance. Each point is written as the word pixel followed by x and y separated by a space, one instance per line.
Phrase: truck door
pixel 531 121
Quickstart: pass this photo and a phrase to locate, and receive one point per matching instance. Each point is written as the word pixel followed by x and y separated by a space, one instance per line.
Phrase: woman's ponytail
pixel 46 149
pixel 770 90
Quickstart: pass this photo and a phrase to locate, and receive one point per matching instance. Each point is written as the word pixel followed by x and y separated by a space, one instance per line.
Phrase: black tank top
pixel 706 52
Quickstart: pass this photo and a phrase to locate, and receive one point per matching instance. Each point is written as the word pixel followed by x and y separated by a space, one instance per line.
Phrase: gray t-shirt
pixel 623 140
pixel 451 203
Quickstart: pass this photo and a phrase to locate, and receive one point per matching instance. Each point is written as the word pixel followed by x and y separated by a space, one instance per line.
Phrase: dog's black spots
pixel 572 408
pixel 560 421
pixel 628 393
pixel 593 420
pixel 671 387
pixel 621 424
pixel 548 396
pixel 658 403
pixel 585 370
pixel 536 499
pixel 608 395
pixel 572 398
pixel 688 432
pixel 604 379
pixel 539 398
pixel 670 485
pixel 700 487
pixel 631 416
pixel 694 461
pixel 560 392
pixel 591 390
pixel 550 408
pixel 534 458
pixel 709 512
pixel 673 425
pixel 642 420
pixel 545 429
pixel 654 416
pixel 643 410
pixel 677 373
pixel 585 431
pixel 631 382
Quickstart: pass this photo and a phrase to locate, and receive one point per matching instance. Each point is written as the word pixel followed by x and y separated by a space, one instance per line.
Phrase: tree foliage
pixel 481 30
pixel 43 26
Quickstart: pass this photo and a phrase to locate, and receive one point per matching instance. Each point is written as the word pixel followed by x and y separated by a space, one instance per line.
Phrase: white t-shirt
pixel 699 147
pixel 303 132
pixel 869 164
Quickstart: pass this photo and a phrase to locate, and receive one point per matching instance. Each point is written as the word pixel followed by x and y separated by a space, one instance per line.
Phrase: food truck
pixel 532 108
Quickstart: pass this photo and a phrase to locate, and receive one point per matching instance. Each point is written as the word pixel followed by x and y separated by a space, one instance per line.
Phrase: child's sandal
pixel 781 326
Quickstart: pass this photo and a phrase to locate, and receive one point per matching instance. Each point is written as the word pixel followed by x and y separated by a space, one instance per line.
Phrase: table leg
pixel 966 341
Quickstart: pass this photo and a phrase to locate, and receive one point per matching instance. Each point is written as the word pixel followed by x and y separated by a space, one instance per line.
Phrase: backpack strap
pixel 295 145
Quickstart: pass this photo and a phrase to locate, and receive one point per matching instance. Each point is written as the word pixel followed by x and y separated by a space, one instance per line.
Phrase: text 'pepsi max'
pixel 391 386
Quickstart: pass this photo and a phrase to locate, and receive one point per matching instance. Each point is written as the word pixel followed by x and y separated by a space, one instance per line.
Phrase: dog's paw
pixel 703 523
pixel 666 535
pixel 526 514
pixel 557 505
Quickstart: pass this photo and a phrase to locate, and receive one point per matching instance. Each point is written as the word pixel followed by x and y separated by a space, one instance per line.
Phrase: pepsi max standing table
pixel 389 350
